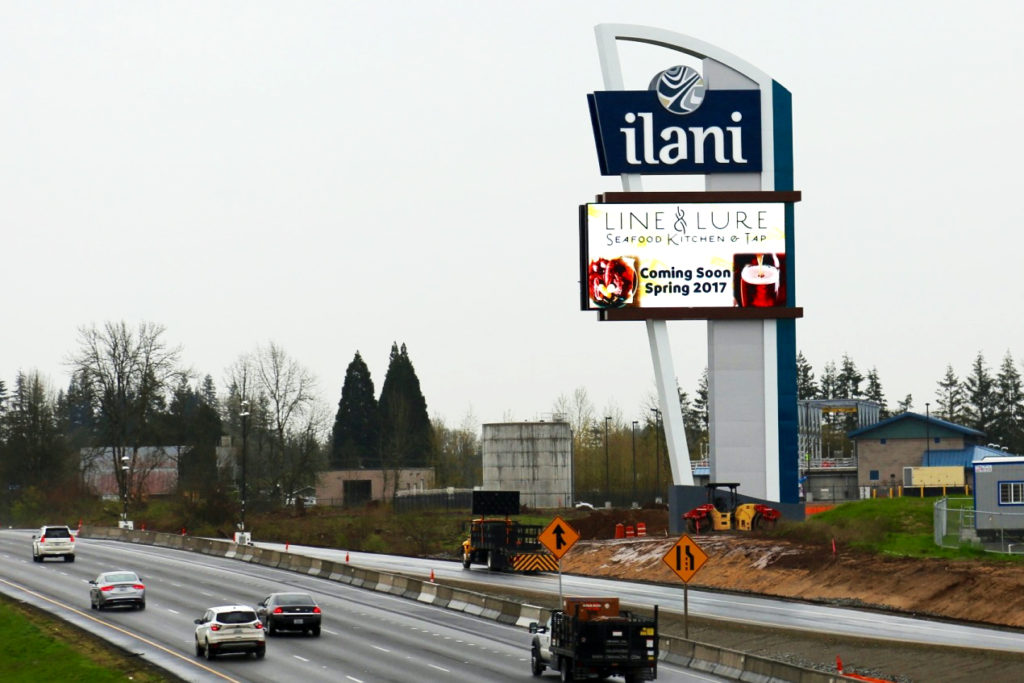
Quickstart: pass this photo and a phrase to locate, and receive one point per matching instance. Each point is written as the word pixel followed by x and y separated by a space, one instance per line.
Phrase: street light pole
pixel 125 470
pixel 245 424
pixel 634 461
pixel 607 479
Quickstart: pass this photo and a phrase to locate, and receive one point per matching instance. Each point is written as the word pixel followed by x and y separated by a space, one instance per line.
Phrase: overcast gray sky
pixel 336 176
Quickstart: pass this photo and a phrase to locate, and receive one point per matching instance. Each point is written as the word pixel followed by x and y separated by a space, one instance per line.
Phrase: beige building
pixel 357 487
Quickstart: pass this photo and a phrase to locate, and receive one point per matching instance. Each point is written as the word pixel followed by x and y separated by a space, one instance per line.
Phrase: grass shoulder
pixel 40 647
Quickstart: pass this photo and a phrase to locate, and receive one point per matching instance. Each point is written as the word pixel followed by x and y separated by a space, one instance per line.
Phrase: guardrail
pixel 719 661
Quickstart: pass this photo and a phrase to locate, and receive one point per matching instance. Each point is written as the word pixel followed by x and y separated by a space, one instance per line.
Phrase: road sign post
pixel 685 558
pixel 558 537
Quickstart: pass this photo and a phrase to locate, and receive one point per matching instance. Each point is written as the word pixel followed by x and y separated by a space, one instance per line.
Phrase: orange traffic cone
pixel 346 556
pixel 431 576
pixel 286 544
pixel 839 665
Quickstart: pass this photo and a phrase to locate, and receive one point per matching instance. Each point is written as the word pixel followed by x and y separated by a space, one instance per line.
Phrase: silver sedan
pixel 120 587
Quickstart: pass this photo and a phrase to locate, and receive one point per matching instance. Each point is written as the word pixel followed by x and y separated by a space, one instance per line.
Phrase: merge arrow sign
pixel 558 537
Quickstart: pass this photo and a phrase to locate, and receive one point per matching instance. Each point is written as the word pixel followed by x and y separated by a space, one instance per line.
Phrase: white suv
pixel 53 541
pixel 230 628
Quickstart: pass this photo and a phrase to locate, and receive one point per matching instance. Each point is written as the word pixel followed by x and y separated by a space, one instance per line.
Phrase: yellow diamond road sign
pixel 685 558
pixel 558 537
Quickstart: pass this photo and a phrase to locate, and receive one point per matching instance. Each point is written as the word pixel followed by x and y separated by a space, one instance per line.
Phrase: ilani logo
pixel 680 89
pixel 678 126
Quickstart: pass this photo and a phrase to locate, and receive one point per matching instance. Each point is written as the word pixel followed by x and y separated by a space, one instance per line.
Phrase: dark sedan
pixel 290 612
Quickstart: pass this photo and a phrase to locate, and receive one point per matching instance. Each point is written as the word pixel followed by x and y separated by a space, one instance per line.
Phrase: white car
pixel 120 587
pixel 53 540
pixel 230 628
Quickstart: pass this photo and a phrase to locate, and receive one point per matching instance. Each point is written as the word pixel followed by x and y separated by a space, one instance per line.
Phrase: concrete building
pixel 357 487
pixel 534 458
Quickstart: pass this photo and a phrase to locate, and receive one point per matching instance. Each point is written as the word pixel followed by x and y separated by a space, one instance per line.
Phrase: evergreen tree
pixel 829 383
pixel 194 428
pixel 874 393
pixel 691 424
pixel 906 405
pixel 209 392
pixel 806 389
pixel 356 437
pixel 1008 422
pixel 35 452
pixel 950 397
pixel 848 380
pixel 406 438
pixel 700 403
pixel 979 388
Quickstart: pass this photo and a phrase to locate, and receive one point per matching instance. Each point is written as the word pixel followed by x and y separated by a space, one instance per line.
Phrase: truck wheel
pixel 566 670
pixel 536 665
pixel 465 560
pixel 492 560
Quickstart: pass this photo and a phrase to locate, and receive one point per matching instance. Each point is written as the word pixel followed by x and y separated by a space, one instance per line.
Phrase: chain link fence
pixel 957 524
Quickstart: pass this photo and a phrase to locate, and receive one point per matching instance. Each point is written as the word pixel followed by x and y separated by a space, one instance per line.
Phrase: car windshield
pixel 238 617
pixel 119 577
pixel 294 599
pixel 57 532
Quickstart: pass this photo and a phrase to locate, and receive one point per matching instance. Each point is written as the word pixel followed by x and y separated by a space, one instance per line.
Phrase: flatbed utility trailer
pixel 506 545
pixel 502 543
pixel 592 638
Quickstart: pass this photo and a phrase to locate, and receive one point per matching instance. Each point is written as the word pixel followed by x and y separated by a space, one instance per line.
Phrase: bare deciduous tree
pixel 282 396
pixel 128 373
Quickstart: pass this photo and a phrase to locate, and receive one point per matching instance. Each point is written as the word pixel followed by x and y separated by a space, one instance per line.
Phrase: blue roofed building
pixel 891 451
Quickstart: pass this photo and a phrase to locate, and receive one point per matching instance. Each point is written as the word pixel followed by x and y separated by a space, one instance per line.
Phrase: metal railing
pixel 957 524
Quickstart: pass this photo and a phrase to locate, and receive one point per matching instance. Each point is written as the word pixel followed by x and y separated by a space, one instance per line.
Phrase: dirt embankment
pixel 962 590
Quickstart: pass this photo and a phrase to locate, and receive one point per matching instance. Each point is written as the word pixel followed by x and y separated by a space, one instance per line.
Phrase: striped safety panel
pixel 535 562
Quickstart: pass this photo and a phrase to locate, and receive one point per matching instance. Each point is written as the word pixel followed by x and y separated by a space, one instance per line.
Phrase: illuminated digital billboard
pixel 684 255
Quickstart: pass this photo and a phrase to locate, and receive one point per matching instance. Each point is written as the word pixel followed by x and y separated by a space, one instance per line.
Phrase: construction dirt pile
pixel 985 593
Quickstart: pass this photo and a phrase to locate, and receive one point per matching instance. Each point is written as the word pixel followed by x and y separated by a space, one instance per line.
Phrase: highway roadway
pixel 741 609
pixel 367 636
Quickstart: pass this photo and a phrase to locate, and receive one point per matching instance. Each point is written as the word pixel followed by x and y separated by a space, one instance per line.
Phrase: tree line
pixel 132 408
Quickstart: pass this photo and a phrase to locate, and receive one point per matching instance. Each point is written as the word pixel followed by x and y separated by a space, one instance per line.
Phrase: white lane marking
pixel 333 633
pixel 173 611
pixel 357 680
pixel 439 668
pixel 301 659
pixel 382 649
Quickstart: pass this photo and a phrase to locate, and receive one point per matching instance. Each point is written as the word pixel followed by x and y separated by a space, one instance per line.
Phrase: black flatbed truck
pixel 591 639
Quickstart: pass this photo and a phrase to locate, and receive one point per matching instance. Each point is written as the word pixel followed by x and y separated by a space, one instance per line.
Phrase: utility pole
pixel 634 461
pixel 657 450
pixel 607 478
